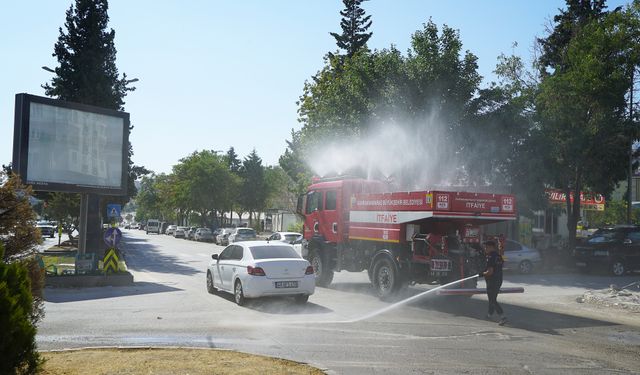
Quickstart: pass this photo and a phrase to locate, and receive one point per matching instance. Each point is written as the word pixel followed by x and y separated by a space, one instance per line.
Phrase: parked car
pixel 171 229
pixel 153 226
pixel 616 249
pixel 203 234
pixel 191 232
pixel 215 235
pixel 180 232
pixel 259 268
pixel 286 237
pixel 46 229
pixel 163 227
pixel 522 258
pixel 223 238
pixel 242 234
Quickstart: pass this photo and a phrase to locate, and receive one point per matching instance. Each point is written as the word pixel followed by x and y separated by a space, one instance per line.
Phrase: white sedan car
pixel 286 237
pixel 260 268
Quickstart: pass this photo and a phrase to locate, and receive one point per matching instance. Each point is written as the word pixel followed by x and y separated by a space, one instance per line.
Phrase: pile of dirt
pixel 170 361
pixel 626 297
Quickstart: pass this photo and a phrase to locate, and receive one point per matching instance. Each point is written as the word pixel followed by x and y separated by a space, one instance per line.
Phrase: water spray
pixel 407 300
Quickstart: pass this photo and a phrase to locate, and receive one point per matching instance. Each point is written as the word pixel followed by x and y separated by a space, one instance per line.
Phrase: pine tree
pixel 233 162
pixel 253 195
pixel 88 74
pixel 354 26
pixel 87 56
pixel 567 24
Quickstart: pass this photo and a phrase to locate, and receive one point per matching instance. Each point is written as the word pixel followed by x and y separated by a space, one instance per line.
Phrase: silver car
pixel 242 234
pixel 203 234
pixel 520 257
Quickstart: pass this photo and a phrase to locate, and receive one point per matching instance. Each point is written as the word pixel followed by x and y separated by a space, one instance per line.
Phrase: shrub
pixel 295 227
pixel 17 328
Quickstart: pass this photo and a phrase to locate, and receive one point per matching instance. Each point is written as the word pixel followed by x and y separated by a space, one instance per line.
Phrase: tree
pixel 65 208
pixel 253 190
pixel 204 184
pixel 567 25
pixel 281 189
pixel 17 220
pixel 354 26
pixel 233 162
pixel 376 105
pixel 583 110
pixel 88 74
pixel 17 326
pixel 18 240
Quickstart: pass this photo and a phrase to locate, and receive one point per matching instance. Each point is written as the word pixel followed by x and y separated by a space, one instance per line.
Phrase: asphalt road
pixel 548 332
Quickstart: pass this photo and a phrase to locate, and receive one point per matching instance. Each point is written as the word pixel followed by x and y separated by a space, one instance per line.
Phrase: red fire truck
pixel 400 238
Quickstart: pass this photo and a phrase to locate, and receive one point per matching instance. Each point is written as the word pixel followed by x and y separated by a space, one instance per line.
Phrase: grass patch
pixel 160 361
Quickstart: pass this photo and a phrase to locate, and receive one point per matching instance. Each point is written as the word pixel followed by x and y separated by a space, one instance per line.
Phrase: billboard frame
pixel 21 145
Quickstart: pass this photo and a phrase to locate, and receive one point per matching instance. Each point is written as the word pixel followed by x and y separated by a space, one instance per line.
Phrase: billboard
pixel 70 147
pixel 588 200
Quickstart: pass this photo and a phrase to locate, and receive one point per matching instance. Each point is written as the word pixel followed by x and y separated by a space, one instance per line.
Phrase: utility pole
pixel 630 171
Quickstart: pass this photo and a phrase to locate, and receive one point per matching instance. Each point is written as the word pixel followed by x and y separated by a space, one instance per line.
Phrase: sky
pixel 215 74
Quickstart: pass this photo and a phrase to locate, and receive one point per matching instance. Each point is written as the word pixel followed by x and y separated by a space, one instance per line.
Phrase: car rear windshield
pixel 247 232
pixel 271 252
pixel 291 237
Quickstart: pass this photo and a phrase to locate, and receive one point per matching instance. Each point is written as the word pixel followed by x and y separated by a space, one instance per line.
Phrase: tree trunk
pixel 573 209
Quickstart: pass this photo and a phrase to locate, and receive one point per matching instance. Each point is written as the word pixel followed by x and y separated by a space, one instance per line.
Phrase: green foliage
pixel 582 107
pixel 65 208
pixel 17 330
pixel 567 24
pixel 354 26
pixel 17 219
pixel 253 188
pixel 87 72
pixel 426 92
pixel 297 227
pixel 200 187
pixel 281 189
pixel 615 212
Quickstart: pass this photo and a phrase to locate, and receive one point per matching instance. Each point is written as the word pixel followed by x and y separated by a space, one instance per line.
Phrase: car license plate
pixel 581 264
pixel 286 284
pixel 440 265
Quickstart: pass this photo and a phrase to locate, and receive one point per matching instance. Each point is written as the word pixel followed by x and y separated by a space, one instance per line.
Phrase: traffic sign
pixel 110 261
pixel 112 237
pixel 113 210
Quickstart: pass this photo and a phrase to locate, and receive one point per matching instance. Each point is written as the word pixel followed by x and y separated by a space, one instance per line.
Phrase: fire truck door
pixel 312 216
pixel 329 216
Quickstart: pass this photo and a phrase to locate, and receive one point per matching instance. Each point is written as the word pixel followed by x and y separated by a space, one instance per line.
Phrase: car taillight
pixel 255 271
pixel 309 271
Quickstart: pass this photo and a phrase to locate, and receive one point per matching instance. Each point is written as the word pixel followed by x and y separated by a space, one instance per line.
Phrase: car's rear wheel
pixel 525 267
pixel 210 288
pixel 302 299
pixel 239 294
pixel 618 268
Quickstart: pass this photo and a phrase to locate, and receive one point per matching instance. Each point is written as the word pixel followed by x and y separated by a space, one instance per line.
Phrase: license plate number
pixel 286 284
pixel 581 264
pixel 440 265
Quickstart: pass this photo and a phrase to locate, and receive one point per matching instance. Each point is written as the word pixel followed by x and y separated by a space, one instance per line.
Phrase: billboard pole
pixel 84 212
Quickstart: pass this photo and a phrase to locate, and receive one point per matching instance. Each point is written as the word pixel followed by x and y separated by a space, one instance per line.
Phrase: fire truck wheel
pixel 324 275
pixel 385 278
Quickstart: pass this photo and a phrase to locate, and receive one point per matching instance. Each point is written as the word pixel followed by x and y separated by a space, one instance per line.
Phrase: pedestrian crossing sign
pixel 113 210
